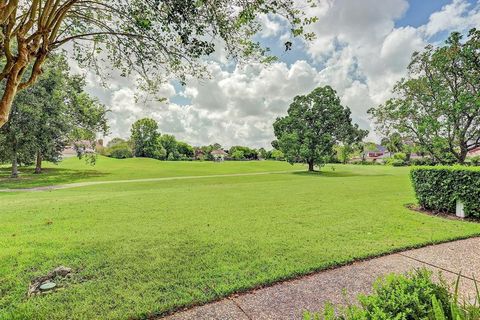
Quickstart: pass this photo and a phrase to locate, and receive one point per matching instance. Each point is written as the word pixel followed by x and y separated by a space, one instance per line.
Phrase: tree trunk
pixel 462 156
pixel 14 166
pixel 12 84
pixel 7 100
pixel 310 165
pixel 38 166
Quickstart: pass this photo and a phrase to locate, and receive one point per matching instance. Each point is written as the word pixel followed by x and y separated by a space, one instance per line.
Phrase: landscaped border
pixel 439 188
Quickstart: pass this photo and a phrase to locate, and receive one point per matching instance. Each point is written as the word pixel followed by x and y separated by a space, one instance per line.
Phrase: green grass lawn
pixel 75 170
pixel 146 248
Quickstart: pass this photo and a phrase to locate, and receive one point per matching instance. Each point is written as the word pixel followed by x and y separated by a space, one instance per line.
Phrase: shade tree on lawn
pixel 145 139
pixel 314 124
pixel 437 106
pixel 47 116
pixel 153 40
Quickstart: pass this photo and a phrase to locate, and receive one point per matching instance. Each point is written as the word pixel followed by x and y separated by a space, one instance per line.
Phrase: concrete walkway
pixel 288 300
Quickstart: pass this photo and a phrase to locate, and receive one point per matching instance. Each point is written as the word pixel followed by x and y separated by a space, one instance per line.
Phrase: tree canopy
pixel 145 138
pixel 152 39
pixel 48 115
pixel 437 106
pixel 314 124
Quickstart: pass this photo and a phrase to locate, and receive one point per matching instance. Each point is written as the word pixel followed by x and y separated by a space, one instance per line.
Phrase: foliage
pixel 411 296
pixel 438 106
pixel 120 150
pixel 439 188
pixel 399 159
pixel 242 153
pixel 314 124
pixel 116 141
pixel 393 143
pixel 278 155
pixel 145 138
pixel 262 154
pixel 17 138
pixel 169 144
pixel 155 40
pixel 344 153
pixel 475 161
pixel 237 155
pixel 207 150
pixel 50 114
pixel 185 151
pixel 422 162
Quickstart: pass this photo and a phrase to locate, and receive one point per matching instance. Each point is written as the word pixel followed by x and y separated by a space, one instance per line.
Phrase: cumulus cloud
pixel 460 15
pixel 359 51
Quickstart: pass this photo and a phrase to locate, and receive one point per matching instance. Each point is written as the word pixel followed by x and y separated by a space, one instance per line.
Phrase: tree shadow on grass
pixel 49 177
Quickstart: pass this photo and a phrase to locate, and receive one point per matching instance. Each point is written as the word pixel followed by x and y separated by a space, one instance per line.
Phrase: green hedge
pixel 439 188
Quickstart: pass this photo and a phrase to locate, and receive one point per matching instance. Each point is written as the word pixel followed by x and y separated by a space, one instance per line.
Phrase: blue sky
pixel 362 48
pixel 419 11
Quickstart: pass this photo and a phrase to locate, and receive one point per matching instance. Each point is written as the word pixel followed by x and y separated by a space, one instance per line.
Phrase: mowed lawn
pixel 146 248
pixel 73 170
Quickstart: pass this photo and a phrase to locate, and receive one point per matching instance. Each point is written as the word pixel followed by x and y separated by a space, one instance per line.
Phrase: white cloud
pixel 358 51
pixel 460 15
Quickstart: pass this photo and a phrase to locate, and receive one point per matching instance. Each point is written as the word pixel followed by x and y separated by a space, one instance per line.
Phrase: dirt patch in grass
pixel 440 214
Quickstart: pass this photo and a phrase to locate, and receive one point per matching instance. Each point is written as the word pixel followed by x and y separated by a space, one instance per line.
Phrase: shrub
pixel 439 188
pixel 238 155
pixel 411 296
pixel 422 162
pixel 120 153
pixel 119 149
pixel 400 156
pixel 475 161
pixel 278 155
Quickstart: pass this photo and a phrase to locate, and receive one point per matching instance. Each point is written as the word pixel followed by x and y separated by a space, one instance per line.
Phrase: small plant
pixel 411 296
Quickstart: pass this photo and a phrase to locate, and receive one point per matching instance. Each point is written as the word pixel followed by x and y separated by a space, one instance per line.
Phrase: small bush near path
pixel 411 296
pixel 439 188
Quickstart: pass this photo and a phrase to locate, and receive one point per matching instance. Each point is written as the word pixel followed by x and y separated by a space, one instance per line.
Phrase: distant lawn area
pixel 146 248
pixel 74 170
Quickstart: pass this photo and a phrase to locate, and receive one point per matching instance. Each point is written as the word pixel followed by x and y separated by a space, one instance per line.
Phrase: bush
pixel 400 156
pixel 278 155
pixel 120 153
pixel 422 162
pixel 475 161
pixel 439 188
pixel 411 296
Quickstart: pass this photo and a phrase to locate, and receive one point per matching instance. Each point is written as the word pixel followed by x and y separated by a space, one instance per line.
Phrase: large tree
pixel 151 38
pixel 437 106
pixel 48 115
pixel 169 143
pixel 314 124
pixel 145 138
pixel 17 137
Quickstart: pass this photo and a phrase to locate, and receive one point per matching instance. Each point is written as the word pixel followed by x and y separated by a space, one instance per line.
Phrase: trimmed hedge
pixel 439 188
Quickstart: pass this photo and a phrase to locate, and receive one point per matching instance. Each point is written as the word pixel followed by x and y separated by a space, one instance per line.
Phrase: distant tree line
pixel 146 141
